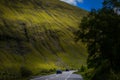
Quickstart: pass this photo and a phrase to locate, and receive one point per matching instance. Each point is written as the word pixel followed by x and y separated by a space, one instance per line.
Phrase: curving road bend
pixel 66 75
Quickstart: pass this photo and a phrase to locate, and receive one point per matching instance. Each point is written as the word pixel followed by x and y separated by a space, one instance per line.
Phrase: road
pixel 66 75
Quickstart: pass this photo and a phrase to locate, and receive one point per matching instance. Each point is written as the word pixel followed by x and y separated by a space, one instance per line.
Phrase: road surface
pixel 66 75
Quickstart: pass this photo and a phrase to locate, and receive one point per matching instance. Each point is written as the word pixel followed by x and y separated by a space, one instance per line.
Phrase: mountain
pixel 38 34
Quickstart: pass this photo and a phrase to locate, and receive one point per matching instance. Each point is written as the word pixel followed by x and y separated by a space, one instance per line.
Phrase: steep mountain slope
pixel 38 34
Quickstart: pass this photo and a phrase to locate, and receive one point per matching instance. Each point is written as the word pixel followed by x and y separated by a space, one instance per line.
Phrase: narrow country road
pixel 66 75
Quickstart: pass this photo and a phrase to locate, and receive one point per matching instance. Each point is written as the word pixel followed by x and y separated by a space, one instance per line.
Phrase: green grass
pixel 39 35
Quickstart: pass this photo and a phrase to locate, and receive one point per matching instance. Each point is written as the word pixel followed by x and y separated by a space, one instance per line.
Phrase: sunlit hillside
pixel 38 34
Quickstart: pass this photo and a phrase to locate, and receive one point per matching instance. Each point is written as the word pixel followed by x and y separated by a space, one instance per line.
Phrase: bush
pixel 9 74
pixel 52 70
pixel 82 69
pixel 25 72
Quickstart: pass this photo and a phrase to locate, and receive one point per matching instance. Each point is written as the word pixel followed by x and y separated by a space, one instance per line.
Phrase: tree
pixel 100 30
pixel 111 3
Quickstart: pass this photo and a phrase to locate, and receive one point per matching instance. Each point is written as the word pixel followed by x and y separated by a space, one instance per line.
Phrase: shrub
pixel 83 68
pixel 25 72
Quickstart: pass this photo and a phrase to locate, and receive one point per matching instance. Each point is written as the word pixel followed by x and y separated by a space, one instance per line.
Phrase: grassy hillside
pixel 38 34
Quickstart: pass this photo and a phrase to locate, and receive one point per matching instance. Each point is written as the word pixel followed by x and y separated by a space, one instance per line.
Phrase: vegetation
pixel 100 31
pixel 38 34
pixel 85 72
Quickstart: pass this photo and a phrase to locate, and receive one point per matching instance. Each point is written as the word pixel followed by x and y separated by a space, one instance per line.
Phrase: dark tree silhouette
pixel 100 30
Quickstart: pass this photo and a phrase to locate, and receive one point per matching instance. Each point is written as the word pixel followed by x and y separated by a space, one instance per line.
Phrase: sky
pixel 86 4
